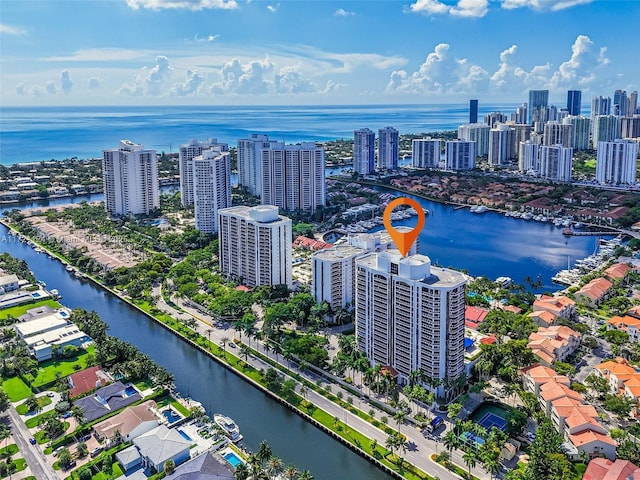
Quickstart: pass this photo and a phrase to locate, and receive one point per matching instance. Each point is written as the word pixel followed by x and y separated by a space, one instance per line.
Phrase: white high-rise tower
pixel 616 162
pixel 211 187
pixel 364 151
pixel 187 153
pixel 130 178
pixel 249 161
pixel 426 153
pixel 388 148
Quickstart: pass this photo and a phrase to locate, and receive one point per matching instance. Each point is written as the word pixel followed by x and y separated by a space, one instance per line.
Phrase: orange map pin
pixel 403 240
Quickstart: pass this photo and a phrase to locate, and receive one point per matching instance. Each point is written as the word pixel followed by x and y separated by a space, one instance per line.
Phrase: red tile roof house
pixel 603 469
pixel 86 381
pixel 474 316
pixel 628 324
pixel 595 292
pixel 617 271
pixel 560 306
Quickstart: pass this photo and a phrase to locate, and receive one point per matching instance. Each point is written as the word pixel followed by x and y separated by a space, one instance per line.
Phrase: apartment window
pixel 394 268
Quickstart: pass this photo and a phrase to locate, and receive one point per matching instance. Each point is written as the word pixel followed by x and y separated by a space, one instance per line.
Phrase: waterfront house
pixel 628 324
pixel 161 444
pixel 542 318
pixel 130 423
pixel 617 272
pixel 206 466
pixel 86 380
pixel 604 469
pixel 8 283
pixel 107 400
pixel 474 316
pixel 594 293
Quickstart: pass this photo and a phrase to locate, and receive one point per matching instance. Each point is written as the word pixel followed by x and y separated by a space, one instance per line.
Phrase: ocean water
pixel 35 134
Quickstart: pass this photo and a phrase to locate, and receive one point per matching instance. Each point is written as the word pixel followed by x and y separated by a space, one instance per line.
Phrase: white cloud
pixel 20 88
pixel 65 82
pixel 149 81
pixel 11 30
pixel 579 68
pixel 543 5
pixel 183 4
pixel 464 8
pixel 94 82
pixel 290 80
pixel 206 38
pixel 248 78
pixel 440 73
pixel 273 8
pixel 51 87
pixel 191 85
pixel 100 55
pixel 341 12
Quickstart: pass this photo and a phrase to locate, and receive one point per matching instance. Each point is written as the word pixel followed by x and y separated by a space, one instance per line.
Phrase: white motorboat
pixel 230 428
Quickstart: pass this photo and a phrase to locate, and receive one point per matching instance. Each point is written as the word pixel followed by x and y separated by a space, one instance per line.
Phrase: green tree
pixel 453 410
pixel 64 458
pixel 470 458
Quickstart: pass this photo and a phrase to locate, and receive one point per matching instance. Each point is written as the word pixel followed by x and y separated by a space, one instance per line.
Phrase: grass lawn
pixel 22 309
pixel 116 471
pixel 16 389
pixel 9 450
pixel 63 366
pixel 42 402
pixel 144 384
pixel 19 465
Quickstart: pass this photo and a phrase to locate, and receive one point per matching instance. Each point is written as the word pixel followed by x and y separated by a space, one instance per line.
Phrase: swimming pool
pixel 185 436
pixel 171 416
pixel 130 390
pixel 36 295
pixel 62 313
pixel 233 459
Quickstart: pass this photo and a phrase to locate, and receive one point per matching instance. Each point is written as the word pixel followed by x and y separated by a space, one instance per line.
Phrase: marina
pixel 571 276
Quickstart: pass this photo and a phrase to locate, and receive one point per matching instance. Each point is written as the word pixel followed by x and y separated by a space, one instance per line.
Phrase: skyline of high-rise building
pixel 186 153
pixel 388 148
pixel 537 100
pixel 616 162
pixel 476 132
pixel 574 101
pixel 249 159
pixel 630 127
pixel 130 179
pixel 426 152
pixel 580 128
pixel 528 157
pixel 293 176
pixel 255 245
pixel 501 144
pixel 211 173
pixel 410 315
pixel 620 103
pixel 364 151
pixel 606 129
pixel 557 133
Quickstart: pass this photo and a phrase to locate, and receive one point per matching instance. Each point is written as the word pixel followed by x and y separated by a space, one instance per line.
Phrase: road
pixel 33 454
pixel 420 447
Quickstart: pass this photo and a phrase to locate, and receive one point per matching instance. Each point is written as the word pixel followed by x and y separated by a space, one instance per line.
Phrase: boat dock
pixel 573 233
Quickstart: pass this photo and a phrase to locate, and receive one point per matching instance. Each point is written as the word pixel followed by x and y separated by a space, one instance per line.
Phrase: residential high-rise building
pixel 537 100
pixel 544 114
pixel 255 245
pixel 388 148
pixel 460 155
pixel 473 111
pixel 580 128
pixel 556 133
pixel 333 269
pixel 616 162
pixel 599 106
pixel 410 316
pixel 606 129
pixel 250 161
pixel 130 179
pixel 528 157
pixel 522 133
pixel 426 152
pixel 632 103
pixel 493 118
pixel 501 144
pixel 556 162
pixel 364 151
pixel 293 176
pixel 520 115
pixel 574 101
pixel 630 127
pixel 187 153
pixel 476 132
pixel 211 187
pixel 620 103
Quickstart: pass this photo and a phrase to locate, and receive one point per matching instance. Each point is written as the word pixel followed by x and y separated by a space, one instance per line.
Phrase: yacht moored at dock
pixel 230 428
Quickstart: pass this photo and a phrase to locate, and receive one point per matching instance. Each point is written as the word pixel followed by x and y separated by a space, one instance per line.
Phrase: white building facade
pixel 211 188
pixel 130 178
pixel 460 155
pixel 255 245
pixel 556 162
pixel 476 132
pixel 426 153
pixel 364 151
pixel 388 148
pixel 249 161
pixel 616 162
pixel 186 154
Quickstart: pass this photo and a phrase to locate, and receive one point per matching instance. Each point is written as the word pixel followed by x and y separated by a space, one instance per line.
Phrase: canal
pixel 258 416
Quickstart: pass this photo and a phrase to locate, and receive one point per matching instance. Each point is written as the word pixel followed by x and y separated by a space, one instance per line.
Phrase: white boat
pixel 527 216
pixel 230 428
pixel 504 281
pixel 479 209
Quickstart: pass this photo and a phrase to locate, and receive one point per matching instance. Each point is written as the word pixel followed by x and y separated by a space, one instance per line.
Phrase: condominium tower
pixel 606 129
pixel 187 153
pixel 426 153
pixel 476 132
pixel 501 144
pixel 616 162
pixel 211 187
pixel 130 178
pixel 574 101
pixel 528 157
pixel 255 245
pixel 410 316
pixel 460 155
pixel 580 129
pixel 388 148
pixel 473 111
pixel 293 176
pixel 538 99
pixel 249 161
pixel 556 162
pixel 364 151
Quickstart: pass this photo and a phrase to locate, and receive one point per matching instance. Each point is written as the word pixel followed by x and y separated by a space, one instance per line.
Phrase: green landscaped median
pixel 16 312
pixel 16 389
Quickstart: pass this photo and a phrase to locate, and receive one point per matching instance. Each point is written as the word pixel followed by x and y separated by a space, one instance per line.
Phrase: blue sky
pixel 209 52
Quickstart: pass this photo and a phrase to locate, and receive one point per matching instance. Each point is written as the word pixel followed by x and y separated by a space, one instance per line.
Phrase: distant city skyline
pixel 228 52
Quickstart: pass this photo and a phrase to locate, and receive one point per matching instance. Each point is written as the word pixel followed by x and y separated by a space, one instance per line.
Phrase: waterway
pixel 258 416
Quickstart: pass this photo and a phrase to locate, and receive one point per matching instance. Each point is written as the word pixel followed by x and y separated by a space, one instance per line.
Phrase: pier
pixel 569 232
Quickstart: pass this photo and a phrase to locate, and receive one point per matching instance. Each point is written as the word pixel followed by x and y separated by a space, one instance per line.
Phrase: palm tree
pixel 245 350
pixel 305 475
pixel 399 417
pixel 264 452
pixel 223 344
pixel 291 472
pixel 275 465
pixel 451 440
pixel 78 414
pixel 470 456
pixel 242 472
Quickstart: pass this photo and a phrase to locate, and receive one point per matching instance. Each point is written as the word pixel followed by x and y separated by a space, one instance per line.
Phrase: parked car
pixel 232 345
pixel 32 441
pixel 50 394
pixel 57 451
pixel 96 451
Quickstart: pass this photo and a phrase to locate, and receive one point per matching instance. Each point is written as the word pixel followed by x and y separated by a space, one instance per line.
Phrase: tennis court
pixel 490 420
